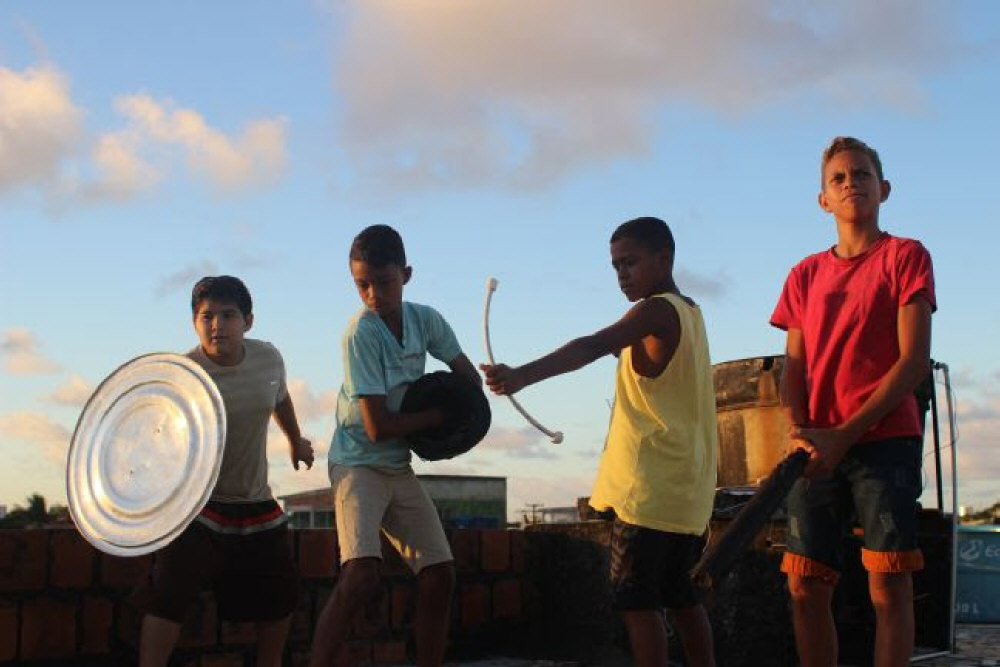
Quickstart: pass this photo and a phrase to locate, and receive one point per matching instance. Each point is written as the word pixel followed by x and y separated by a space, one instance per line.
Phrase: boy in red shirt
pixel 858 318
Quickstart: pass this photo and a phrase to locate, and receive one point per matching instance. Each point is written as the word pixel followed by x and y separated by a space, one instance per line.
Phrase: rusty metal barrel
pixel 753 427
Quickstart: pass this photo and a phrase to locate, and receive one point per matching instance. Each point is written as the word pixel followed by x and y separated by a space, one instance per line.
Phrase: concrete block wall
pixel 62 602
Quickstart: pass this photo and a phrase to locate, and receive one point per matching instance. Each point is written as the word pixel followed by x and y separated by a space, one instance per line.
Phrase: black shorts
pixel 649 568
pixel 252 575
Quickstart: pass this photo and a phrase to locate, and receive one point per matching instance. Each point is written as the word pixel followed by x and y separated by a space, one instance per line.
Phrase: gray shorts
pixel 369 500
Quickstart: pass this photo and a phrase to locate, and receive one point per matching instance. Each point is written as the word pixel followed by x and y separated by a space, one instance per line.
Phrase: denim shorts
pixel 877 484
pixel 649 568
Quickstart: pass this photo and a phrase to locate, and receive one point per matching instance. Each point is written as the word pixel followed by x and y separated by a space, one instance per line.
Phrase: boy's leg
pixel 886 485
pixel 648 636
pixel 271 637
pixel 812 616
pixel 696 635
pixel 360 498
pixel 183 568
pixel 435 586
pixel 817 511
pixel 892 597
pixel 412 525
pixel 356 584
pixel 157 640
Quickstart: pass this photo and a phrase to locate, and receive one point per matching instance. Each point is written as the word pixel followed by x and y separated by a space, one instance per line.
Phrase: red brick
pixel 402 600
pixel 465 549
pixel 125 572
pixel 200 624
pixel 389 652
pixel 231 632
pixel 518 551
pixel 475 605
pixel 71 560
pixel 317 553
pixel 97 618
pixel 48 629
pixel 507 599
pixel 495 556
pixel 23 559
pixel 8 631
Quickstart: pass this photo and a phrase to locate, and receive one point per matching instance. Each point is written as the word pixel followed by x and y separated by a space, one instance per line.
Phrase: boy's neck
pixel 853 238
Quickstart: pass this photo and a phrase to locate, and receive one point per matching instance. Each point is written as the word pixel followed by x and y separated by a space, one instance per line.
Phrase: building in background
pixel 462 501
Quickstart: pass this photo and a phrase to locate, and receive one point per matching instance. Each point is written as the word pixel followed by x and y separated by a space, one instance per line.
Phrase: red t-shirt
pixel 847 311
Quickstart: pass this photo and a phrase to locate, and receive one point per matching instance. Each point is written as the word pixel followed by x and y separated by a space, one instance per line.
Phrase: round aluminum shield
pixel 145 454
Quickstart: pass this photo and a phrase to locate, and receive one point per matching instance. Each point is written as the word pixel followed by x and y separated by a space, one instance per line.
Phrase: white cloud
pixel 38 430
pixel 309 405
pixel 518 443
pixel 256 157
pixel 73 393
pixel 20 346
pixel 185 278
pixel 702 285
pixel 519 94
pixel 39 125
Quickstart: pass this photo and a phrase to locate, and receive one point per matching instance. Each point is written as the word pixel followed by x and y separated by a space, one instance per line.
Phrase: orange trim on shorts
pixel 807 567
pixel 892 561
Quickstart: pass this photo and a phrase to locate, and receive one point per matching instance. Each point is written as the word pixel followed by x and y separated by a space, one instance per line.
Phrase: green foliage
pixel 34 514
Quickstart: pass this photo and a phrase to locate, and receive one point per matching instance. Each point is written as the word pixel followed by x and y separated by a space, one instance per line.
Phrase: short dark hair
pixel 378 245
pixel 222 288
pixel 841 144
pixel 650 232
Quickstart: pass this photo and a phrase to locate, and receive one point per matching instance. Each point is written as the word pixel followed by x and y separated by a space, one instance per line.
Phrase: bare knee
pixel 890 589
pixel 810 592
pixel 439 577
pixel 359 578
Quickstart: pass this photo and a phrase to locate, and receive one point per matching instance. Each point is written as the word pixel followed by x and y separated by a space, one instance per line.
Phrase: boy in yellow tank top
pixel 657 471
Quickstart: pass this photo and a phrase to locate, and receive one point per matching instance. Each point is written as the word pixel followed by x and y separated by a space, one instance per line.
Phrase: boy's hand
pixel 302 450
pixel 826 447
pixel 502 379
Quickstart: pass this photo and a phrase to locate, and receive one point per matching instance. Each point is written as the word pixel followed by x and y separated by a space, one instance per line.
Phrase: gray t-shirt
pixel 250 391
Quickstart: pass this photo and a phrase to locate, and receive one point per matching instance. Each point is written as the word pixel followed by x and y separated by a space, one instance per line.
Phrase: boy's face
pixel 641 272
pixel 220 326
pixel 852 191
pixel 381 289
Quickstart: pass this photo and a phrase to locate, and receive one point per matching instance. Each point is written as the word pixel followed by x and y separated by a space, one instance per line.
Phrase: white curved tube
pixel 491 286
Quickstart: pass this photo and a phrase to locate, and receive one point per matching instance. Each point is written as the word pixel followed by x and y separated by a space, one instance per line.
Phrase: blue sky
pixel 142 147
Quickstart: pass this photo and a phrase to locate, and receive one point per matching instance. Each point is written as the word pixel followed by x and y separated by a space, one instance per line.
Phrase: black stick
pixel 718 559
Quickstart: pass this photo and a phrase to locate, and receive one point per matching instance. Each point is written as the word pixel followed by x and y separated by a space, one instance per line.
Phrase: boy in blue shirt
pixel 384 349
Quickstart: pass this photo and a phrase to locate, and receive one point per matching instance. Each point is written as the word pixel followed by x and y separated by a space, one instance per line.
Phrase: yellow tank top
pixel 659 461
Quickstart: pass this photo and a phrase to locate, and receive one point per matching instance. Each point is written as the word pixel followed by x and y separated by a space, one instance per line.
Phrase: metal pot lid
pixel 145 454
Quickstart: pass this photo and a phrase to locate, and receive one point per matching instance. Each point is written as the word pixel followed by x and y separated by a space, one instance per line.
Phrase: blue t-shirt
pixel 376 364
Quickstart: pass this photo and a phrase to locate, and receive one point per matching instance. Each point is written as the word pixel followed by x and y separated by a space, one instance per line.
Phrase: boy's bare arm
pixel 648 317
pixel 794 397
pixel 463 366
pixel 914 331
pixel 300 449
pixel 381 424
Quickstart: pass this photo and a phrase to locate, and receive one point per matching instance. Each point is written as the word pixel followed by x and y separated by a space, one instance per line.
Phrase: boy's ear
pixel 248 322
pixel 407 274
pixel 886 188
pixel 823 203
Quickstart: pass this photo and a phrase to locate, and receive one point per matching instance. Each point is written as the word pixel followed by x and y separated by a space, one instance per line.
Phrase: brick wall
pixel 64 603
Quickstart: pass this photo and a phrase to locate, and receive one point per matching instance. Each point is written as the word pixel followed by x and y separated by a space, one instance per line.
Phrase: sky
pixel 144 145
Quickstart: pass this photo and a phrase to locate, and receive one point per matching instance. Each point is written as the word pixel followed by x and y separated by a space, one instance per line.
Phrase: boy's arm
pixel 830 444
pixel 649 316
pixel 300 448
pixel 463 366
pixel 381 424
pixel 794 396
